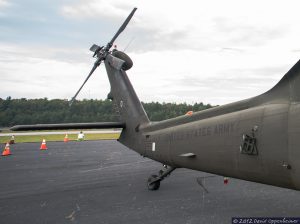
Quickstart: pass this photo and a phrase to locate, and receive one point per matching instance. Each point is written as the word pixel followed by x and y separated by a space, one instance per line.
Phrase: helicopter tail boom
pixel 125 101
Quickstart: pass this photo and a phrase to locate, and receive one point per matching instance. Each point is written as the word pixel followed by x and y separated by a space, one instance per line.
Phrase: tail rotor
pixel 101 52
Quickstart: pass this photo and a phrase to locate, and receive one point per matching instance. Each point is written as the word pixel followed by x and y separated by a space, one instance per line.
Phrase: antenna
pixel 129 43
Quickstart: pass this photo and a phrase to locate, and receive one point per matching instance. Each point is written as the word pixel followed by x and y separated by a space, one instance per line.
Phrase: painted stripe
pixel 153 146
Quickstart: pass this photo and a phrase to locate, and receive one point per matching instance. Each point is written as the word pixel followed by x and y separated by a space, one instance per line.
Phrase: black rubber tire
pixel 128 62
pixel 154 186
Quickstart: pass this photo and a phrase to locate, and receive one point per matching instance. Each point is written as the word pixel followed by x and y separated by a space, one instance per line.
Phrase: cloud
pixel 4 3
pixel 211 77
pixel 40 23
pixel 217 53
pixel 247 79
pixel 98 9
pixel 155 39
pixel 24 74
pixel 242 32
pixel 150 33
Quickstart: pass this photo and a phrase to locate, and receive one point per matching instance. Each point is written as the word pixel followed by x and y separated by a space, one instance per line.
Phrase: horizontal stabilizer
pixel 65 126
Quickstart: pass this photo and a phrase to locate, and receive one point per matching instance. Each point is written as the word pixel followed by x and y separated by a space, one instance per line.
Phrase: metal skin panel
pixel 162 147
pixel 214 141
pixel 274 145
pixel 216 144
pixel 294 143
pixel 251 166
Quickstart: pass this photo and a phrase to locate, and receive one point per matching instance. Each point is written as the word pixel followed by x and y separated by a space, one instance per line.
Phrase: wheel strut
pixel 153 181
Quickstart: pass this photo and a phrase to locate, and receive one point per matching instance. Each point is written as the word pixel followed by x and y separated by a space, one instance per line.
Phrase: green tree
pixel 33 111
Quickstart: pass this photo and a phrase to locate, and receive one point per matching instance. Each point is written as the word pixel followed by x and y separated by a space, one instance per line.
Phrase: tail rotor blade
pixel 121 29
pixel 97 63
pixel 102 52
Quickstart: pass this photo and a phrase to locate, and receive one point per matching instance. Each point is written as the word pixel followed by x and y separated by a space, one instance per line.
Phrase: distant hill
pixel 34 111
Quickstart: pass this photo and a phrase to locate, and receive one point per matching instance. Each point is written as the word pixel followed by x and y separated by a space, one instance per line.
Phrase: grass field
pixel 60 137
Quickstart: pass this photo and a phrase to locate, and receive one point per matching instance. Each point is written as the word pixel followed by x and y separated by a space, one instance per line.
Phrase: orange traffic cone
pixel 43 145
pixel 66 139
pixel 6 151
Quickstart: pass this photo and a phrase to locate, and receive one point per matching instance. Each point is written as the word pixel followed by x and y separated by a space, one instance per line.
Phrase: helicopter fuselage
pixel 222 144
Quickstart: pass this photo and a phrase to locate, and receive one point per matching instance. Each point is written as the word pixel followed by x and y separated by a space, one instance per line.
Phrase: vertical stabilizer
pixel 125 100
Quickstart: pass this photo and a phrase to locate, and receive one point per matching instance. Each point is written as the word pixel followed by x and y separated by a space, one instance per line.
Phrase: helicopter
pixel 256 139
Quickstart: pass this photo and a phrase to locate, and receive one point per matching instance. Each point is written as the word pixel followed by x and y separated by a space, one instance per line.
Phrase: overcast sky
pixel 190 51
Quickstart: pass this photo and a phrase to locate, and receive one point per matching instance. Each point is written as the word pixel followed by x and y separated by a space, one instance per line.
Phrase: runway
pixel 104 182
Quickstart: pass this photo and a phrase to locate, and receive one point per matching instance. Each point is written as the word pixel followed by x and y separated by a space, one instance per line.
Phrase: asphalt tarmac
pixel 104 182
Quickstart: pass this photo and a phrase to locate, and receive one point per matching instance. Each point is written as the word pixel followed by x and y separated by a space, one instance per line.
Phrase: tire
pixel 154 186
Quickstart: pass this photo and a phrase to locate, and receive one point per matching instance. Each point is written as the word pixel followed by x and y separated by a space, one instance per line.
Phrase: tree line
pixel 34 111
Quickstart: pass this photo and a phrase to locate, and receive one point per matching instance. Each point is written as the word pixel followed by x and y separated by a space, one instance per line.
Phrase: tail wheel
pixel 153 186
pixel 128 62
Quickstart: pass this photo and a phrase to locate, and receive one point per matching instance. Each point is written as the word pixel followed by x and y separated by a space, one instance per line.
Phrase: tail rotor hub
pixel 101 52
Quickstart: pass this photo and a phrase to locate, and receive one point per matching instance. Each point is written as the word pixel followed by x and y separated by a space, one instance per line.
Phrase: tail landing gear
pixel 153 182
